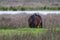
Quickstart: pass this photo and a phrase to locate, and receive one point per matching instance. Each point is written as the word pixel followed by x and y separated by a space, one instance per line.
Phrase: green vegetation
pixel 26 8
pixel 30 30
pixel 24 30
pixel 30 34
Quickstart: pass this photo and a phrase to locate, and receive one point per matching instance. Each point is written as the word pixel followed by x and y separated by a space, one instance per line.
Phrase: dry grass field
pixel 15 27
pixel 21 20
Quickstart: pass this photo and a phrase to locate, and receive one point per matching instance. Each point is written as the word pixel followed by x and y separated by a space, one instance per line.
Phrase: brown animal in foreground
pixel 35 21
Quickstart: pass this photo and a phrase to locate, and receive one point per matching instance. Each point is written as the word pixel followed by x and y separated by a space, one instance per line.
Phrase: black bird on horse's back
pixel 35 21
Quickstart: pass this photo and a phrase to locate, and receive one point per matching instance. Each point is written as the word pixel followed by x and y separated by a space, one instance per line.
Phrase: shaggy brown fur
pixel 35 21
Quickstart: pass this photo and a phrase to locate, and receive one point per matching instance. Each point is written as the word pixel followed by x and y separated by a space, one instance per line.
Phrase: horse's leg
pixel 40 25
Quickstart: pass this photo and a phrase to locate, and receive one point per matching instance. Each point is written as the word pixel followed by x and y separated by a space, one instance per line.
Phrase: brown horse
pixel 35 21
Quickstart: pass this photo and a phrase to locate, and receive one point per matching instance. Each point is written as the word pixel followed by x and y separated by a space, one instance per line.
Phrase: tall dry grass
pixel 21 20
